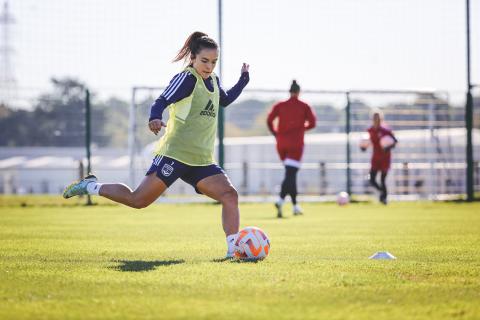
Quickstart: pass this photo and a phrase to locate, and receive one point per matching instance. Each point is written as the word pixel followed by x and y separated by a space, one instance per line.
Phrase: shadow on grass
pixel 246 261
pixel 274 217
pixel 461 200
pixel 139 265
pixel 231 260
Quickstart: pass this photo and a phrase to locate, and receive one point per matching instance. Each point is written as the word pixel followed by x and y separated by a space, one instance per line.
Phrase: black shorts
pixel 169 170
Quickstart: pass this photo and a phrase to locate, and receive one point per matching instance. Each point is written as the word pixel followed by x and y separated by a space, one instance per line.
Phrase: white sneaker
pixel 297 210
pixel 278 205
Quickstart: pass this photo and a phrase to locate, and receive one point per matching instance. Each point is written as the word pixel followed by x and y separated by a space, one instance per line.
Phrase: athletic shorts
pixel 380 164
pixel 169 170
pixel 293 153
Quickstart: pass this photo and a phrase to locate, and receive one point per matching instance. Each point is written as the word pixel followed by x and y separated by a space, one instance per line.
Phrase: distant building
pixel 424 165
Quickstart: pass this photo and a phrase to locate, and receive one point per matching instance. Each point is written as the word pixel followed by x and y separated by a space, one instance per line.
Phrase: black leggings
pixel 289 184
pixel 382 187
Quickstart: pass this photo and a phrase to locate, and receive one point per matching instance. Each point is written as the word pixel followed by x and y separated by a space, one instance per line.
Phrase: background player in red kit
pixel 381 157
pixel 294 118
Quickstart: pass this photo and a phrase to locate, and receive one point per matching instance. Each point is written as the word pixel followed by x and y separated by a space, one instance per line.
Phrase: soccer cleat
pixel 383 199
pixel 79 188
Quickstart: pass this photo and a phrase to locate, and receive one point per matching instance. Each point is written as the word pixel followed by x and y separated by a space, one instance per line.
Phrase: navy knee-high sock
pixel 293 187
pixel 384 185
pixel 373 179
pixel 289 184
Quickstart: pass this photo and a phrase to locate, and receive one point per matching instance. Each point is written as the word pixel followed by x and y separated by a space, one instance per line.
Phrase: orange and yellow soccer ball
pixel 252 244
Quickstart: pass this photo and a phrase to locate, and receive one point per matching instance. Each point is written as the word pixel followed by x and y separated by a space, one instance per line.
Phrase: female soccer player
pixel 381 157
pixel 294 118
pixel 186 149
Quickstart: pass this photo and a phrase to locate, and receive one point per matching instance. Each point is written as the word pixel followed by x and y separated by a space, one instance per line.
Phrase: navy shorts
pixel 169 170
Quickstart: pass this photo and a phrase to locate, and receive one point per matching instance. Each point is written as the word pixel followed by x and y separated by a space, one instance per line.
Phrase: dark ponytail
pixel 294 88
pixel 194 44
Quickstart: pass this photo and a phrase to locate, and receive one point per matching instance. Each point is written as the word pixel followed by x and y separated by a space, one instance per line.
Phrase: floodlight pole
pixel 469 114
pixel 221 115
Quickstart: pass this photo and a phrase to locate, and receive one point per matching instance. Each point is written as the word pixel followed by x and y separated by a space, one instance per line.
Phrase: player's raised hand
pixel 245 67
pixel 156 125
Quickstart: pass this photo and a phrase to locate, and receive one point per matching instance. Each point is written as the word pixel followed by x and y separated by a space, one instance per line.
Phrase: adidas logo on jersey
pixel 209 110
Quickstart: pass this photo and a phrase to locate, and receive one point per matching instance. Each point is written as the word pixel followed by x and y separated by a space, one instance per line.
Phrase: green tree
pixel 57 119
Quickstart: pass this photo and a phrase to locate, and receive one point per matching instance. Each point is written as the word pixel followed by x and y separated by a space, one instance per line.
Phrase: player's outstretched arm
pixel 226 98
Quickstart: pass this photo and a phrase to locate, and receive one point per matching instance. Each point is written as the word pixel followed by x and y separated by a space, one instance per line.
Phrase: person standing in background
pixel 293 118
pixel 381 155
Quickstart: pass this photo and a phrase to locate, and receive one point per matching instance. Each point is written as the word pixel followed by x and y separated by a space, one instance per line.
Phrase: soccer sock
pixel 284 190
pixel 293 196
pixel 292 182
pixel 94 188
pixel 373 181
pixel 384 186
pixel 231 242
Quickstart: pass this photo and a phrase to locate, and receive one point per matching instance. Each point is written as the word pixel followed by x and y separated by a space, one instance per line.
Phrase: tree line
pixel 57 118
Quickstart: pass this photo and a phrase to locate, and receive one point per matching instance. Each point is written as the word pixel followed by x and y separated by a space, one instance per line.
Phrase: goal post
pixel 426 163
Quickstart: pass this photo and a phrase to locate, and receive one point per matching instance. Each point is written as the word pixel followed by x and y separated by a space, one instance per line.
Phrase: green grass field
pixel 59 260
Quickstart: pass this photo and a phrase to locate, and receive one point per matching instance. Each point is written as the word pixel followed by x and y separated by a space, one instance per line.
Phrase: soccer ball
pixel 365 142
pixel 252 244
pixel 343 198
pixel 386 142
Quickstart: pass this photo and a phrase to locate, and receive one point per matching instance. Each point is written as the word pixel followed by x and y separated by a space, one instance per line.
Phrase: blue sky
pixel 345 44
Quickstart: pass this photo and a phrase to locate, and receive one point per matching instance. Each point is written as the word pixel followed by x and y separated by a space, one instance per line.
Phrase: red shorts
pixel 380 164
pixel 294 153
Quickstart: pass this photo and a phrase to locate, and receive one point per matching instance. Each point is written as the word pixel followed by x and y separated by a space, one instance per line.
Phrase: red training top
pixel 294 118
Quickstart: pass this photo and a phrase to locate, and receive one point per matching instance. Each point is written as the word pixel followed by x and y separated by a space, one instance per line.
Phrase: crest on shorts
pixel 167 169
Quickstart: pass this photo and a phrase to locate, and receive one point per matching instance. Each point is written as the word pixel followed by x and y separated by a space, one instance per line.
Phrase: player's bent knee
pixel 229 196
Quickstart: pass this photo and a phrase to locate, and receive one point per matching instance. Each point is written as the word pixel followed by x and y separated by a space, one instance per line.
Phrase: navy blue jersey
pixel 182 85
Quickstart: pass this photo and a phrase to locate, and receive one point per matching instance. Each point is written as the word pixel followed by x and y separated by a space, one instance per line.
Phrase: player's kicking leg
pixel 145 194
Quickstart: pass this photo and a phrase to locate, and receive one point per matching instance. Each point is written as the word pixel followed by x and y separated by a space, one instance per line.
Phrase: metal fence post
pixel 132 139
pixel 323 179
pixel 347 132
pixel 406 179
pixel 469 113
pixel 245 178
pixel 88 134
